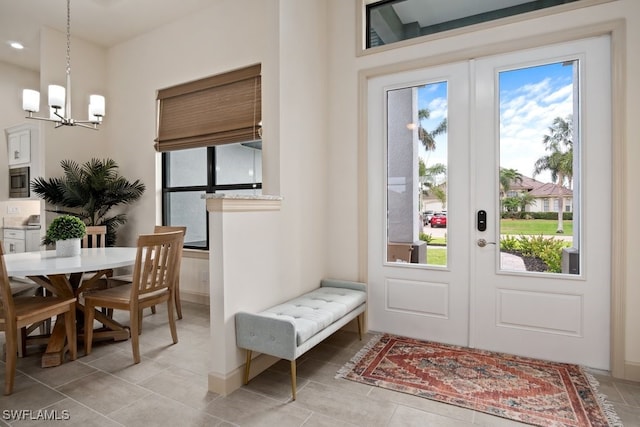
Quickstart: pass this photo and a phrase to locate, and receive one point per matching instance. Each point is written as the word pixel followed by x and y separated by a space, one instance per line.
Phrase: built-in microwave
pixel 19 182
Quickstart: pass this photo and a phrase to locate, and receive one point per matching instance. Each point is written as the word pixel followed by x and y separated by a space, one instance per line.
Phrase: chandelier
pixel 60 98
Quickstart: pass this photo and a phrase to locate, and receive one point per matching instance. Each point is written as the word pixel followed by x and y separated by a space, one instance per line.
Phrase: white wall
pixel 13 80
pixel 288 38
pixel 347 223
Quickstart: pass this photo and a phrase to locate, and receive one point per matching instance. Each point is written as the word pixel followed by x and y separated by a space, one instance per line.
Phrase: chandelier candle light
pixel 60 98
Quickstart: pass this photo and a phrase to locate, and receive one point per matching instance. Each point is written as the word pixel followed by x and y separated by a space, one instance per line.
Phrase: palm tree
pixel 427 138
pixel 525 199
pixel 559 161
pixel 507 177
pixel 89 191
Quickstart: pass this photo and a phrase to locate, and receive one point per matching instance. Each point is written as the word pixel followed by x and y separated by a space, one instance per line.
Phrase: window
pixel 189 174
pixel 391 21
pixel 209 133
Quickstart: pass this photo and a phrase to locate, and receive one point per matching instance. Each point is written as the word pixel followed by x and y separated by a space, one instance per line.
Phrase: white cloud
pixel 525 117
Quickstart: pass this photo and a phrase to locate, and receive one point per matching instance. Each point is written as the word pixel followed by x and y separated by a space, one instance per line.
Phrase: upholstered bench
pixel 290 329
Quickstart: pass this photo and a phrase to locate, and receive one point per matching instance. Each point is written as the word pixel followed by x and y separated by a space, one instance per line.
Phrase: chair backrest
pixel 7 309
pixel 96 237
pixel 157 262
pixel 169 229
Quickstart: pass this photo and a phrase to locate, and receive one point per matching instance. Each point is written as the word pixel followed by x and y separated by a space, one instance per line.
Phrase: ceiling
pixel 103 22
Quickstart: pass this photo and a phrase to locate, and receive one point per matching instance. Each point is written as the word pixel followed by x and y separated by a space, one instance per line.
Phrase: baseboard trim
pixel 233 381
pixel 632 371
pixel 194 297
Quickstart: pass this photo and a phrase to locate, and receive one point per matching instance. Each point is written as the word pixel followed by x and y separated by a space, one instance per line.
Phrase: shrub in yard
pixel 547 249
pixel 509 244
pixel 426 237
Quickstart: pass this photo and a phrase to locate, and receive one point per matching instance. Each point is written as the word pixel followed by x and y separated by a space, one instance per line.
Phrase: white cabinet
pixel 21 240
pixel 19 147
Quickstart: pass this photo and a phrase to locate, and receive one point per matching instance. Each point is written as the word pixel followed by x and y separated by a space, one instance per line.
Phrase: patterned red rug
pixel 522 389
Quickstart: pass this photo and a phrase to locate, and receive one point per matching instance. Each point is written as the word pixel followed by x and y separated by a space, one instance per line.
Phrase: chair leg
pixel 359 317
pixel 172 321
pixel 22 342
pixel 135 334
pixel 70 326
pixel 293 379
pixel 11 356
pixel 88 327
pixel 247 368
pixel 176 297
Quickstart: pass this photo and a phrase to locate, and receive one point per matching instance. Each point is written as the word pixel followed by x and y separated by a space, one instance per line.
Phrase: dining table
pixel 66 276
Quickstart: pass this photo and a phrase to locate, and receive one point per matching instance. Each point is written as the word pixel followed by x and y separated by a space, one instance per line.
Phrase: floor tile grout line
pixel 65 396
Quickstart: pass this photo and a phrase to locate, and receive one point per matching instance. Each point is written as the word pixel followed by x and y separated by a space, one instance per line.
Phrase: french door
pixel 474 166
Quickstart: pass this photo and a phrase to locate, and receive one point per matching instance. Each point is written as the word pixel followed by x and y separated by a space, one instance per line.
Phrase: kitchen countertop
pixel 21 227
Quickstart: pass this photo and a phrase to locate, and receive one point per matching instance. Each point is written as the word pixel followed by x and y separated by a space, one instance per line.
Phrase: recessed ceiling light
pixel 16 45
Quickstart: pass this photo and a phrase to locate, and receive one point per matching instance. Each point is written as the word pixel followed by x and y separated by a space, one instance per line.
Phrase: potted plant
pixel 90 191
pixel 66 231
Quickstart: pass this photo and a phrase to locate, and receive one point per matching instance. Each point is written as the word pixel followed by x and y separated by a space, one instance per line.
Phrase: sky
pixel 530 99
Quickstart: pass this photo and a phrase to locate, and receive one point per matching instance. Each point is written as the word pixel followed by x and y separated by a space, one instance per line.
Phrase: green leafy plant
pixel 89 191
pixel 426 237
pixel 65 227
pixel 547 249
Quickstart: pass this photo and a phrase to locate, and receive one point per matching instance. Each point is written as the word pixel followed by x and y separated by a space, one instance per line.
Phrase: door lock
pixel 481 222
pixel 482 243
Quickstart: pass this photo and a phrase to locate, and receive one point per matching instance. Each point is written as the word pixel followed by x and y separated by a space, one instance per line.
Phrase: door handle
pixel 482 243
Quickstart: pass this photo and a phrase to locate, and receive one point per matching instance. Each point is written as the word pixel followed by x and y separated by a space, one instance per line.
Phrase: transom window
pixel 391 21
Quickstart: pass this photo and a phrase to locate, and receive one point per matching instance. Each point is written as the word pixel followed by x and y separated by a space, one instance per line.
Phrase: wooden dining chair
pixel 95 237
pixel 176 294
pixel 155 273
pixel 19 312
pixel 120 280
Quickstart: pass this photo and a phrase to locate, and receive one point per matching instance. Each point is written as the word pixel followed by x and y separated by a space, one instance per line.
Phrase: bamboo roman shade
pixel 220 109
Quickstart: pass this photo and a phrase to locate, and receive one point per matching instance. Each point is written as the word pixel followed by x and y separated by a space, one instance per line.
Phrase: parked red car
pixel 438 220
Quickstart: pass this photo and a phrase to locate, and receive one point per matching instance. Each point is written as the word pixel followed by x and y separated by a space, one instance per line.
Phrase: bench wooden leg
pixel 359 317
pixel 247 367
pixel 293 379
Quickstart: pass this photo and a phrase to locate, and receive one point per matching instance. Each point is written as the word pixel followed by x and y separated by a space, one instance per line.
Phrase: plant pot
pixel 68 248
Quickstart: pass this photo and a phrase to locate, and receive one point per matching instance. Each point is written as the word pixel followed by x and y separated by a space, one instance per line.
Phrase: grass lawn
pixel 436 255
pixel 534 226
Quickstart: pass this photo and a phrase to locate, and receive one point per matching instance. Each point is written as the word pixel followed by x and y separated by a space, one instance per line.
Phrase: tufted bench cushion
pixel 290 329
pixel 314 311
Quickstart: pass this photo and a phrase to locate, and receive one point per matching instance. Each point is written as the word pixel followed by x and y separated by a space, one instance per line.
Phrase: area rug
pixel 522 389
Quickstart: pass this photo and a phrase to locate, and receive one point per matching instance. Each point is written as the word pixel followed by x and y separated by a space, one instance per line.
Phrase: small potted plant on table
pixel 66 231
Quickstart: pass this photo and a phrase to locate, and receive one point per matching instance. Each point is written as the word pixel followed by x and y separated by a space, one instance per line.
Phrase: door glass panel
pixel 539 177
pixel 417 175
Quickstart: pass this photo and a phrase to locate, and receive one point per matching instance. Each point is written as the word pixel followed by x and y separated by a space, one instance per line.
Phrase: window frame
pixel 210 188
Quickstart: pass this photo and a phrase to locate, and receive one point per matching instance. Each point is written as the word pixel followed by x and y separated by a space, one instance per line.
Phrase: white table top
pixel 43 263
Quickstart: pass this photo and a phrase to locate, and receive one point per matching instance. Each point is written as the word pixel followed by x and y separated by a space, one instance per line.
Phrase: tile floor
pixel 169 388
